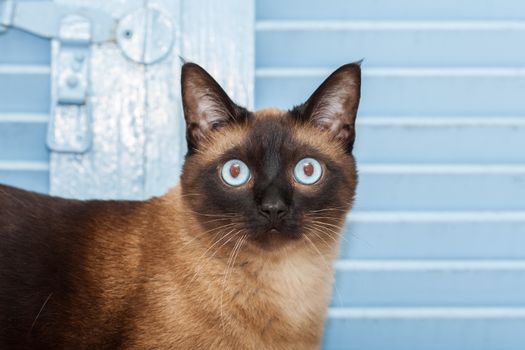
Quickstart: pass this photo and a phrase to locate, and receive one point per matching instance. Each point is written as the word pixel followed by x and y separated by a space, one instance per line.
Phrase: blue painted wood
pixel 434 239
pixel 33 180
pixel 25 141
pixel 18 47
pixel 435 192
pixel 392 287
pixel 416 96
pixel 24 103
pixel 390 10
pixel 24 93
pixel 391 47
pixel 452 142
pixel 425 333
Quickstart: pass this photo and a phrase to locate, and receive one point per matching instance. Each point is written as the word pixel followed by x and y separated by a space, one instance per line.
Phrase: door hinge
pixel 144 35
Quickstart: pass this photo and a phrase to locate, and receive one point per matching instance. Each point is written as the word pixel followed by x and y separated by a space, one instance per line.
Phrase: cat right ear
pixel 333 106
pixel 206 105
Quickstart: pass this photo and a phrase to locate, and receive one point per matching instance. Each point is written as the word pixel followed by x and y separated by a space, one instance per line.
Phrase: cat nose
pixel 274 209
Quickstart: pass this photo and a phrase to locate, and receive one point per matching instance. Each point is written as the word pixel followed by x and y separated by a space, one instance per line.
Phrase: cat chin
pixel 274 239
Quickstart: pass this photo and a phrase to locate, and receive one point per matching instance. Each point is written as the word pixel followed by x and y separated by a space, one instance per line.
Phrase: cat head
pixel 271 175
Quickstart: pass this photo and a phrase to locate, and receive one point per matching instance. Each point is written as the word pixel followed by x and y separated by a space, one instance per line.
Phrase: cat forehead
pixel 269 124
pixel 270 130
pixel 270 113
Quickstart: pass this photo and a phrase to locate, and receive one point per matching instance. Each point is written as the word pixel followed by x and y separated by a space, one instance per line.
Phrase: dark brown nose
pixel 274 209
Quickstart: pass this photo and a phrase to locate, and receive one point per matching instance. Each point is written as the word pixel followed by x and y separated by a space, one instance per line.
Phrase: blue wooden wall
pixel 24 110
pixel 434 250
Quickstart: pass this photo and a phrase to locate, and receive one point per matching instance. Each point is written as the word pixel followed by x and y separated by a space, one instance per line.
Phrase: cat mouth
pixel 277 233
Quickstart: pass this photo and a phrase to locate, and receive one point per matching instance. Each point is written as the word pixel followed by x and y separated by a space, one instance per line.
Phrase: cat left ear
pixel 206 105
pixel 333 106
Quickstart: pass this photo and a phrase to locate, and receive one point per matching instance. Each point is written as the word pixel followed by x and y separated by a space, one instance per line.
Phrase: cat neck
pixel 246 286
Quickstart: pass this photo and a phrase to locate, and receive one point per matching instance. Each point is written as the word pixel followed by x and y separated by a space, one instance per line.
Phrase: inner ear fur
pixel 206 105
pixel 333 105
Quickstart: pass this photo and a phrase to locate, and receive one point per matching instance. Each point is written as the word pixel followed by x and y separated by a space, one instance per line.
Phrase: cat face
pixel 272 176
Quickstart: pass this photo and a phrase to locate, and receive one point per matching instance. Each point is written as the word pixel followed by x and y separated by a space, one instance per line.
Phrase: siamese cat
pixel 238 255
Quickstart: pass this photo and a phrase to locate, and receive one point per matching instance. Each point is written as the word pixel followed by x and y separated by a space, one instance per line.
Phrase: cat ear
pixel 333 106
pixel 206 106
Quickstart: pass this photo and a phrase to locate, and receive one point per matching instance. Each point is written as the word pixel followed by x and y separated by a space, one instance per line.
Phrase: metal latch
pixel 72 30
pixel 70 128
pixel 145 36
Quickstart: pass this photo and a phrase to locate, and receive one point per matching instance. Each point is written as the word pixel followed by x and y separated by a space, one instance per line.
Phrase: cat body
pixel 216 263
pixel 125 285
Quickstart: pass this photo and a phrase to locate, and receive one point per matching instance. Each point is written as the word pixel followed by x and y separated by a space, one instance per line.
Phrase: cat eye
pixel 308 171
pixel 235 172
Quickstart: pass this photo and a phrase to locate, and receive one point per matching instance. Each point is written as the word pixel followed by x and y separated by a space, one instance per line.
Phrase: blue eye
pixel 235 172
pixel 308 171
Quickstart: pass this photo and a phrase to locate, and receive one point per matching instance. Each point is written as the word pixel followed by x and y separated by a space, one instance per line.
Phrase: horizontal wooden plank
pixel 23 140
pixel 425 329
pixel 440 187
pixel 430 93
pixel 24 92
pixel 454 140
pixel 391 10
pixel 18 47
pixel 26 177
pixel 437 235
pixel 417 283
pixel 388 44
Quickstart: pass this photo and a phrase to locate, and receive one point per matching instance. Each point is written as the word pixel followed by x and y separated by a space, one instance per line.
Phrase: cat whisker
pixel 321 226
pixel 325 216
pixel 191 194
pixel 221 219
pixel 340 234
pixel 336 228
pixel 210 215
pixel 224 244
pixel 314 232
pixel 318 233
pixel 231 260
pixel 325 225
pixel 229 234
pixel 223 236
pixel 319 220
pixel 328 218
pixel 215 230
pixel 353 234
pixel 223 284
pixel 40 312
pixel 337 209
pixel 328 266
pixel 188 211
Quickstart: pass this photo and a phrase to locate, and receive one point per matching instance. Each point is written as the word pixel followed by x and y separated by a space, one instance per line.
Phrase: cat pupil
pixel 308 169
pixel 235 170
